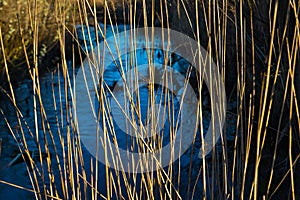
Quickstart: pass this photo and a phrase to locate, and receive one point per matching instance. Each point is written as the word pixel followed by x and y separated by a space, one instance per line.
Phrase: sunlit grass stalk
pixel 252 126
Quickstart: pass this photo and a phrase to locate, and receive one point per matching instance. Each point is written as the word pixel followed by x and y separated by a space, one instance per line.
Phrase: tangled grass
pixel 255 46
pixel 30 33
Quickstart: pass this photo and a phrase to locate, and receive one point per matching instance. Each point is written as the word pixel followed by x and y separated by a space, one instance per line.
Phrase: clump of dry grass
pixel 30 34
pixel 256 48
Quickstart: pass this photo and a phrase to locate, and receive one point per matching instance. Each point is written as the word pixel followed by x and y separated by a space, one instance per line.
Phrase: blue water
pixel 57 102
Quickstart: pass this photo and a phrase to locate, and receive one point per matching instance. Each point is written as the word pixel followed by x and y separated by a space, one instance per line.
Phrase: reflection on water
pixel 55 119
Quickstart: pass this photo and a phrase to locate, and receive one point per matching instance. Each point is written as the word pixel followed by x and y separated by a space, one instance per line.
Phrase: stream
pixel 56 104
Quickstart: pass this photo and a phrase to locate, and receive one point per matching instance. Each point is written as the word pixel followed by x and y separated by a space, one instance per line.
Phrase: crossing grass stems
pixel 256 48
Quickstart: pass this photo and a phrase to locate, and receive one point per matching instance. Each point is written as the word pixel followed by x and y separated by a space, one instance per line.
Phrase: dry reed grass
pixel 256 47
pixel 30 34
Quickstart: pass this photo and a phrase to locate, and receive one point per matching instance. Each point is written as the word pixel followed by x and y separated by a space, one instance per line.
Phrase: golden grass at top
pixel 29 24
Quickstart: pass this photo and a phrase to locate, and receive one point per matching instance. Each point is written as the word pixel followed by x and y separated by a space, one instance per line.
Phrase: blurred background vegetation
pixel 32 27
